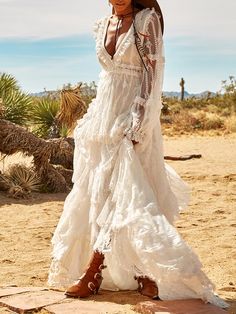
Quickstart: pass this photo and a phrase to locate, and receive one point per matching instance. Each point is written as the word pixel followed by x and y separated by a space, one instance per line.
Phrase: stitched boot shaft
pixel 90 282
pixel 147 287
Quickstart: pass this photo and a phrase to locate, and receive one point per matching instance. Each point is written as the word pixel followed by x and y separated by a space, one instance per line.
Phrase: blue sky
pixel 46 44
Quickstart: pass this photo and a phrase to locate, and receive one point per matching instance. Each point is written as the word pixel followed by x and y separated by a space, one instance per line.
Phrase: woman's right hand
pixel 134 142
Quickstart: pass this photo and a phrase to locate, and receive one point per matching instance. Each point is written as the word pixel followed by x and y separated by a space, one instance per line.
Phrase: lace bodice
pixel 127 60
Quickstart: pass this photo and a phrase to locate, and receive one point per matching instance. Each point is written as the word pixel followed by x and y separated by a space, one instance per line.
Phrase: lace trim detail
pixel 127 41
pixel 59 276
pixel 100 28
pixel 140 101
pixel 137 136
pixel 123 69
pixel 135 132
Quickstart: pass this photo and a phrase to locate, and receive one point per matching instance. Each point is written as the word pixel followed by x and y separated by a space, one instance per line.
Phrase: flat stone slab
pixel 23 303
pixel 10 290
pixel 27 299
pixel 87 307
pixel 190 306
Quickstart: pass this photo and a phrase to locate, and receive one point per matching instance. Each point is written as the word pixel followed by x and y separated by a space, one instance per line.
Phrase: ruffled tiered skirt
pixel 123 203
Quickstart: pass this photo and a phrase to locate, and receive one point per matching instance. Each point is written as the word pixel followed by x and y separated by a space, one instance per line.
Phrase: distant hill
pixel 167 94
pixel 188 95
pixel 42 94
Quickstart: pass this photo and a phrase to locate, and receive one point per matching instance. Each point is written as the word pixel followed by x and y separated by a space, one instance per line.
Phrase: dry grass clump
pixel 72 107
pixel 20 181
pixel 230 124
pixel 212 121
pixel 187 121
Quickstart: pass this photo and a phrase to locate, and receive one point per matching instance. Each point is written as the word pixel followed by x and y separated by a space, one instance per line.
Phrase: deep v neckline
pixel 122 40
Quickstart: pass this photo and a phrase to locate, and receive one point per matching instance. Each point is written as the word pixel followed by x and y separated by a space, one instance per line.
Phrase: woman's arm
pixel 152 35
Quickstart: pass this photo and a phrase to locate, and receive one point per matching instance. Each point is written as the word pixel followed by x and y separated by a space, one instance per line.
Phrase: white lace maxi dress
pixel 125 198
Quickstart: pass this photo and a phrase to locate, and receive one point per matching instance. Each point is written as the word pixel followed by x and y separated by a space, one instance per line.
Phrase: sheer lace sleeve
pixel 152 39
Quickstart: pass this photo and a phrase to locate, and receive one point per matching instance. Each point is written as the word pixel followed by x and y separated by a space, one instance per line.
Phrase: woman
pixel 125 198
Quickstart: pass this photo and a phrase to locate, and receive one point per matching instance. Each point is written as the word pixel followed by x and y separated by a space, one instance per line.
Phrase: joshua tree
pixel 182 82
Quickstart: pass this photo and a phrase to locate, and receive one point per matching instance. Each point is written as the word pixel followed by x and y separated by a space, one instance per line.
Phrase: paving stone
pixel 8 290
pixel 86 307
pixel 22 303
pixel 193 306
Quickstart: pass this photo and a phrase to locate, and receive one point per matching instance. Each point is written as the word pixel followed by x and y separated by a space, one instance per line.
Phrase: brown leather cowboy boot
pixel 147 287
pixel 90 282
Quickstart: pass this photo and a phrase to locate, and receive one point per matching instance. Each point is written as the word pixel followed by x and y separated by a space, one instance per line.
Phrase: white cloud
pixel 211 19
pixel 56 18
pixel 46 19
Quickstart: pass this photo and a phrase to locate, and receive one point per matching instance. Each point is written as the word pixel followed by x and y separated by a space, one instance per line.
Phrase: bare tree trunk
pixel 14 138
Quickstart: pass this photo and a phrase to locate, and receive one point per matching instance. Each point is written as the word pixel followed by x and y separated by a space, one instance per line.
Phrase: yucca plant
pixel 7 84
pixel 20 181
pixel 43 116
pixel 64 131
pixel 15 105
pixel 1 109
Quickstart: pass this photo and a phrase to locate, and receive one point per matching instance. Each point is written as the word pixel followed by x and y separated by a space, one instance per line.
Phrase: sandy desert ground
pixel 209 224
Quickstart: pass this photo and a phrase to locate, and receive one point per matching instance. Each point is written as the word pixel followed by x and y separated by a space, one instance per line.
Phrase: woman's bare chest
pixel 115 32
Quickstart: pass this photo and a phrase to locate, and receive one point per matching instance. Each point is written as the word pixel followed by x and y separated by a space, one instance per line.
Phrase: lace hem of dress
pixel 59 277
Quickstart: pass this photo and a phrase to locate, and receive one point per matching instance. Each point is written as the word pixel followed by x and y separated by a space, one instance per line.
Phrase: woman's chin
pixel 120 9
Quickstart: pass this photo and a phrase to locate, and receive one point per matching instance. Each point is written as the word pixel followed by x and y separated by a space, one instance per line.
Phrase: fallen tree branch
pixel 182 158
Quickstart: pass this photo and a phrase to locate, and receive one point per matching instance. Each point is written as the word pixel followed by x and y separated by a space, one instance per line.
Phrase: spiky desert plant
pixel 15 105
pixel 64 131
pixel 43 116
pixel 7 84
pixel 72 107
pixel 1 109
pixel 20 181
pixel 4 182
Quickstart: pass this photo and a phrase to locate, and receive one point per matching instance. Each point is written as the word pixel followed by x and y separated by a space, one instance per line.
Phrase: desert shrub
pixel 15 105
pixel 212 122
pixel 186 121
pixel 230 124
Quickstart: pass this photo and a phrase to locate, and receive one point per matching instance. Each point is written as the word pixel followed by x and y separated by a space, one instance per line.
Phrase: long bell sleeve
pixel 151 52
